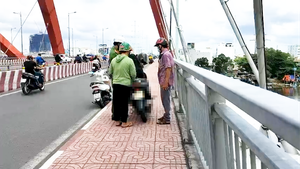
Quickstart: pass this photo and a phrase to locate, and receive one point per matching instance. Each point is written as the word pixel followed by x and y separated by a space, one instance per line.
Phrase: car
pixel 66 59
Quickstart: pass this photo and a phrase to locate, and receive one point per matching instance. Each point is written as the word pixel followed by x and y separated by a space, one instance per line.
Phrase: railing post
pixel 186 75
pixel 217 130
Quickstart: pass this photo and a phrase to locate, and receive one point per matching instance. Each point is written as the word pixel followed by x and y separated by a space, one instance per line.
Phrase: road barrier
pixel 4 62
pixel 10 80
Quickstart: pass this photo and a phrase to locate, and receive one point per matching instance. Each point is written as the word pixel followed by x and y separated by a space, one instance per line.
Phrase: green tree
pixel 222 64
pixel 202 62
pixel 281 63
pixel 278 63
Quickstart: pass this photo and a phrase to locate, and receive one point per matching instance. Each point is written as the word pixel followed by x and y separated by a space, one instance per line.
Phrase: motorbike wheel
pixel 100 103
pixel 105 99
pixel 42 88
pixel 143 116
pixel 140 107
pixel 25 89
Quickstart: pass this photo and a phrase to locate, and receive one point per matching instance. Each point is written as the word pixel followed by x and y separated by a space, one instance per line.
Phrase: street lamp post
pixel 11 35
pixel 21 30
pixel 96 44
pixel 103 35
pixel 69 31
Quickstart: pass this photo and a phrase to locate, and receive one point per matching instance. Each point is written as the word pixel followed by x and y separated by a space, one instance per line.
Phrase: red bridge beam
pixel 52 25
pixel 158 16
pixel 10 50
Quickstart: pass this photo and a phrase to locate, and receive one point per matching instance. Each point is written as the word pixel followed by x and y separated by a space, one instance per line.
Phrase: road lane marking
pixel 49 162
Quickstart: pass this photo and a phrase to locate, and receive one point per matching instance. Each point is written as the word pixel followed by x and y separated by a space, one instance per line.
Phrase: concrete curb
pixel 192 157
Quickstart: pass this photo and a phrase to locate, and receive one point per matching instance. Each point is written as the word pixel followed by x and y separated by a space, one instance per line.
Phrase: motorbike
pixel 138 99
pixel 151 61
pixel 30 82
pixel 101 89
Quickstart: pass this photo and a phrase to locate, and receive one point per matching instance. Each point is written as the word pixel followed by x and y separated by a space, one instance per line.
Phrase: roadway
pixel 30 123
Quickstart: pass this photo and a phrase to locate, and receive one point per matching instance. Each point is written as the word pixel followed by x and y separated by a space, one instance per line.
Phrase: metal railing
pixel 226 140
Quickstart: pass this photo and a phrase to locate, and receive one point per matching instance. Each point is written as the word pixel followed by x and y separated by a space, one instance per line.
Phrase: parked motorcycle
pixel 138 99
pixel 101 89
pixel 30 82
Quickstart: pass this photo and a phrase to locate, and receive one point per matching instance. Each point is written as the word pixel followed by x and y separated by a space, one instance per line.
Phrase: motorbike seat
pixel 26 75
pixel 94 83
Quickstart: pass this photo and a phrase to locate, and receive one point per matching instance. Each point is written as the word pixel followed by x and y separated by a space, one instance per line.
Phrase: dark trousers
pixel 41 76
pixel 121 96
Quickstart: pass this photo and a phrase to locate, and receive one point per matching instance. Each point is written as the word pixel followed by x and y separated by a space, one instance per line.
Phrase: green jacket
pixel 112 54
pixel 122 70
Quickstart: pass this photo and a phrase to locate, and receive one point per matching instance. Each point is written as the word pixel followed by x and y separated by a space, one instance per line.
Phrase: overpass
pixel 227 121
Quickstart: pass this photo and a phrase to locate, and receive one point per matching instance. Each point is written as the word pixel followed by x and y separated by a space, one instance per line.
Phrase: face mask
pixel 159 49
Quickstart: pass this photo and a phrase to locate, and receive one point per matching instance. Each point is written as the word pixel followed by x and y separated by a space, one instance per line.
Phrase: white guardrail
pixel 225 136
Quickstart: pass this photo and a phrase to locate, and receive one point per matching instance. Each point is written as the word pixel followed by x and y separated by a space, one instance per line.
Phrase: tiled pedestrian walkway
pixel 102 145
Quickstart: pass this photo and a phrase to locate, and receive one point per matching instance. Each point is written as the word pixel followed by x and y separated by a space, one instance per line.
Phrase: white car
pixel 66 59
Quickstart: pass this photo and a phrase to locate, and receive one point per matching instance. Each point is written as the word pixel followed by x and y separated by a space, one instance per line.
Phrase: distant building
pixel 294 50
pixel 227 49
pixel 39 43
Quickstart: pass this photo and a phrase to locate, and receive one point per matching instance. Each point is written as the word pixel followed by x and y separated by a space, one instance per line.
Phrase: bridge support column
pixel 218 130
pixel 52 25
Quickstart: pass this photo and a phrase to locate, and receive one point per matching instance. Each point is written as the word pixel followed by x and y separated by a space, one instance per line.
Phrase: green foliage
pixel 222 64
pixel 202 62
pixel 278 63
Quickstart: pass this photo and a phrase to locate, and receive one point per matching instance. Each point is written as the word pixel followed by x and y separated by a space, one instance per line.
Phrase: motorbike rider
pixel 77 59
pixel 96 62
pixel 30 67
pixel 114 51
pixel 58 59
pixel 84 58
pixel 39 60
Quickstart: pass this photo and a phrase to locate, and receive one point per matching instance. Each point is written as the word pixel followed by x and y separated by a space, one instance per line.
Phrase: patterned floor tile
pixel 170 128
pixel 120 130
pixel 74 157
pixel 168 146
pixel 99 157
pixel 78 145
pixel 135 166
pixel 167 136
pixel 111 146
pixel 66 166
pixel 143 129
pixel 98 127
pixel 160 166
pixel 101 166
pixel 138 157
pixel 140 146
pixel 116 137
pixel 169 158
pixel 145 135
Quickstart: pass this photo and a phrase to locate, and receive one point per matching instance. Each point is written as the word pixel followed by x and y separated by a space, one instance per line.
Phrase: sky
pixel 202 22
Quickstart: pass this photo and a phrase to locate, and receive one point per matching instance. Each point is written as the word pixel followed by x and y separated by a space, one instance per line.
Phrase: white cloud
pixel 203 22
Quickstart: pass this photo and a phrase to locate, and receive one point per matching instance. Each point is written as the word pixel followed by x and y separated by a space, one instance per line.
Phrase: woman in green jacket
pixel 123 73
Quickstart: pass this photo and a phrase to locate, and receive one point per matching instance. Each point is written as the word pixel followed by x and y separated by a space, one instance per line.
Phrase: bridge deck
pixel 101 144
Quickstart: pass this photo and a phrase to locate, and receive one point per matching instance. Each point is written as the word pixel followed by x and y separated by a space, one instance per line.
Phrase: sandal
pixel 128 124
pixel 162 121
pixel 120 123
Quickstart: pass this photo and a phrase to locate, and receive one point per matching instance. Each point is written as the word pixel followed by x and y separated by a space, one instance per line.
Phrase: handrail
pixel 278 113
pixel 269 154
